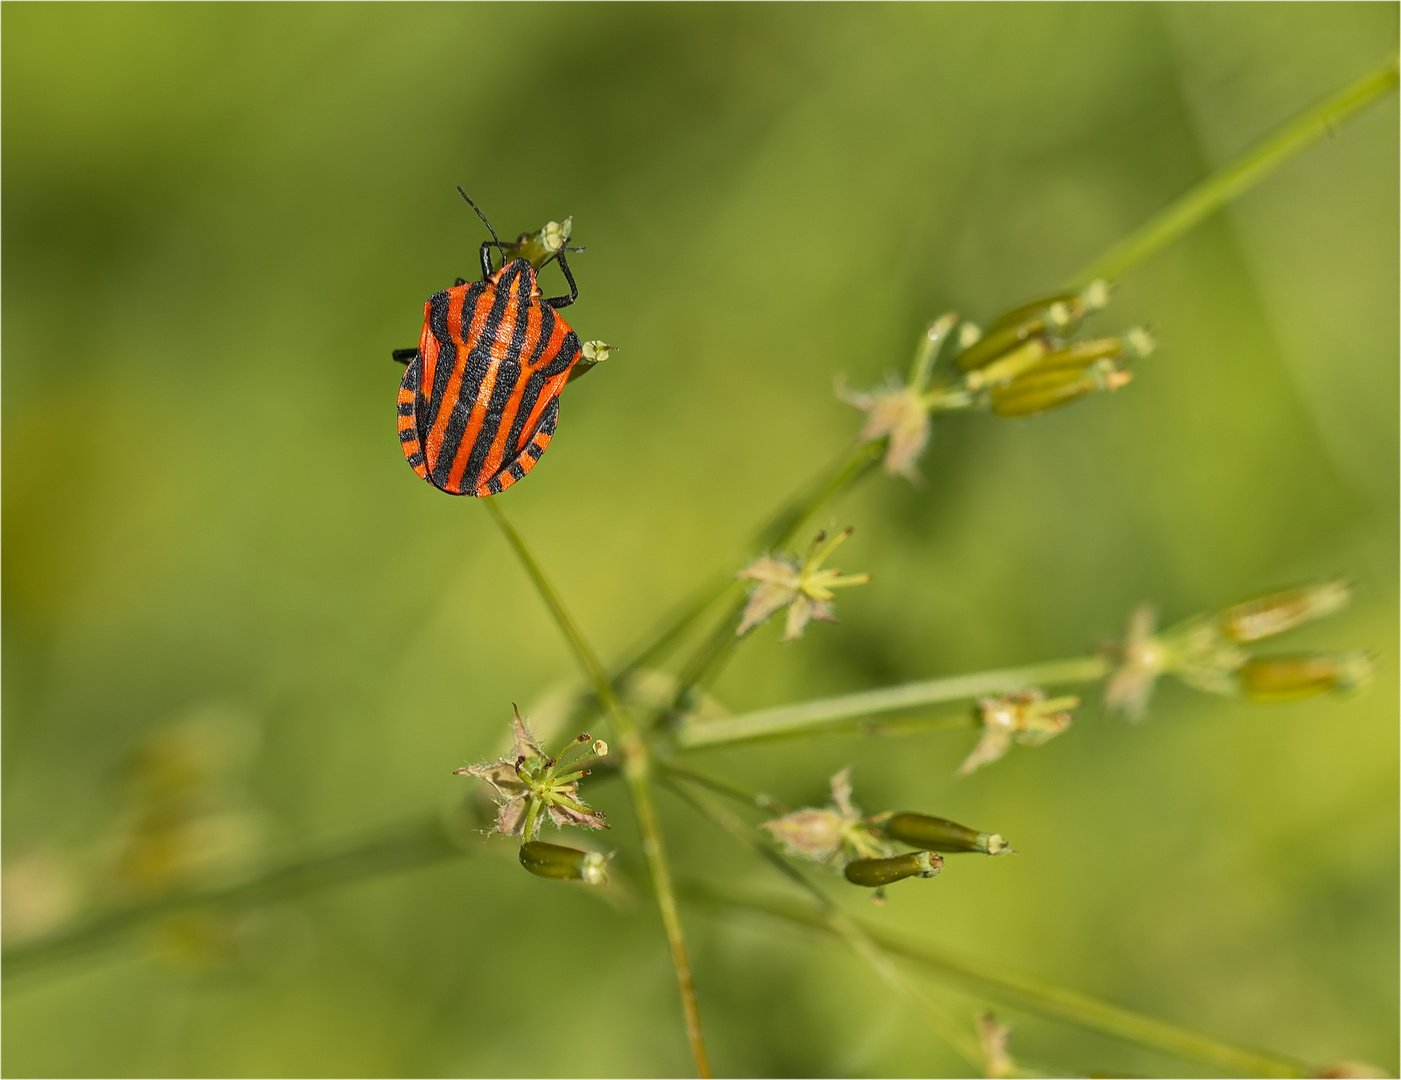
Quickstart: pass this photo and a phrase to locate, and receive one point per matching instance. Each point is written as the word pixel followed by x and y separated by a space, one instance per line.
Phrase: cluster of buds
pixel 804 589
pixel 591 354
pixel 1207 652
pixel 839 835
pixel 1027 717
pixel 1025 363
pixel 530 787
pixel 542 246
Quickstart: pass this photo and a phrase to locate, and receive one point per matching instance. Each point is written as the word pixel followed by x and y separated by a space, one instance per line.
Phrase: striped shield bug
pixel 480 396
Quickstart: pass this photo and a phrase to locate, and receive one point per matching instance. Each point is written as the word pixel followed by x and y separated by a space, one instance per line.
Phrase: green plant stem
pixel 757 799
pixel 413 844
pixel 838 922
pixel 816 717
pixel 636 771
pixel 1045 999
pixel 706 662
pixel 1238 176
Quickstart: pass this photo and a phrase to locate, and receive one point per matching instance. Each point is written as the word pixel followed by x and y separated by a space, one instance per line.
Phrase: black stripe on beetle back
pixel 447 352
pixel 531 392
pixel 517 470
pixel 474 371
pixel 508 374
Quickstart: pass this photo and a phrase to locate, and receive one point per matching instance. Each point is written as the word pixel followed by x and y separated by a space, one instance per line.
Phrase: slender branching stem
pixel 825 714
pixel 636 771
pixel 757 799
pixel 1238 176
pixel 841 924
pixel 1035 995
pixel 413 844
pixel 715 650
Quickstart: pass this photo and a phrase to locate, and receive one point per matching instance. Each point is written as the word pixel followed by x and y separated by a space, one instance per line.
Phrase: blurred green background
pixel 219 219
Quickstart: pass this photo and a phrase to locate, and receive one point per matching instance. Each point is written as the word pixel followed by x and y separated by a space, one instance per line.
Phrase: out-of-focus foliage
pixel 220 219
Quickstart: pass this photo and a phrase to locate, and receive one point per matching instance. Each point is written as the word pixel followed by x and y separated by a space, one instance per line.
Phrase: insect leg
pixel 558 302
pixel 405 356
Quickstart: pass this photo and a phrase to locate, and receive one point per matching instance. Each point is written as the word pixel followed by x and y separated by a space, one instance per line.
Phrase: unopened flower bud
pixel 938 834
pixel 595 352
pixel 1267 616
pixel 1079 356
pixel 1140 341
pixel 996 342
pixel 968 335
pixel 560 863
pixel 591 354
pixel 873 873
pixel 1038 393
pixel 1289 678
pixel 600 748
pixel 555 234
pixel 1009 365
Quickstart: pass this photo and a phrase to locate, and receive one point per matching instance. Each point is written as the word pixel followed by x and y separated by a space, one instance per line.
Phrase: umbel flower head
pixel 1026 717
pixel 1206 652
pixel 832 834
pixel 900 411
pixel 529 786
pixel 806 590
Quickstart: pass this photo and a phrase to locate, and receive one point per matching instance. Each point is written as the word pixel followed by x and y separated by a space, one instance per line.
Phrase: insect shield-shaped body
pixel 479 400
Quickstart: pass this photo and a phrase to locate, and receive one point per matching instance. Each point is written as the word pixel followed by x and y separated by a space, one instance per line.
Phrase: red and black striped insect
pixel 479 401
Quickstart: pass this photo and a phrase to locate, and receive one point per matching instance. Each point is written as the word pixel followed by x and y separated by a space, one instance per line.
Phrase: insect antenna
pixel 495 239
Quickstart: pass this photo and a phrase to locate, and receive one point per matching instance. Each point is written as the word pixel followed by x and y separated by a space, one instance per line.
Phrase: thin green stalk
pixel 757 799
pixel 815 717
pixel 707 661
pixel 1045 999
pixel 1238 176
pixel 636 771
pixel 838 922
pixel 414 844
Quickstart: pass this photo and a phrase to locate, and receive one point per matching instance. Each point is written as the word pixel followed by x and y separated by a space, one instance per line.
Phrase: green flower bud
pixel 1289 678
pixel 873 873
pixel 560 863
pixel 591 354
pixel 937 834
pixel 1040 393
pixel 1267 616
pixel 1009 365
pixel 1079 356
pixel 1040 390
pixel 1057 315
pixel 540 247
pixel 997 342
pixel 1032 310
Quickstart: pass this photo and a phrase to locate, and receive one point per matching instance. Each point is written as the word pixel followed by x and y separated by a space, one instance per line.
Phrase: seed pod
pixel 1079 356
pixel 1009 365
pixel 560 863
pixel 1072 304
pixel 1289 678
pixel 938 834
pixel 1266 616
pixel 1038 393
pixel 873 873
pixel 996 342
